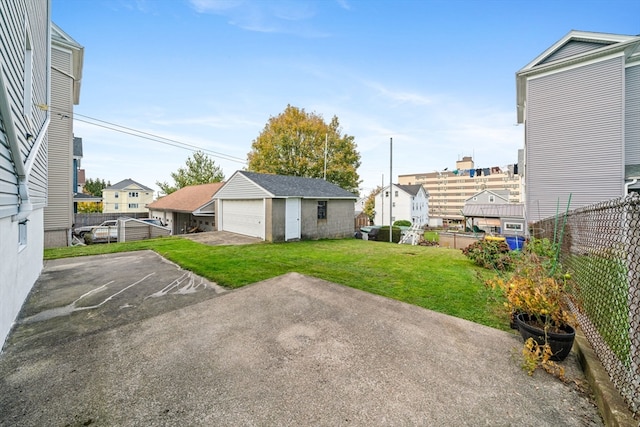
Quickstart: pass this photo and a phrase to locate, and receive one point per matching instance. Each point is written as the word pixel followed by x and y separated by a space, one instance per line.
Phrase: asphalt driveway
pixel 131 339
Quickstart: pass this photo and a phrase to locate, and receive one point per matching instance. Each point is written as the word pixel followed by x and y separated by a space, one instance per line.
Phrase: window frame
pixel 322 209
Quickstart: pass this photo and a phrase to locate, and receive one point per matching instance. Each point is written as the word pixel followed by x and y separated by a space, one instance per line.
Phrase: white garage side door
pixel 243 217
pixel 292 221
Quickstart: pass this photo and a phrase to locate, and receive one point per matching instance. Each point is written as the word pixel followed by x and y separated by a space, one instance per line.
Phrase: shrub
pixel 491 254
pixel 383 234
pixel 402 223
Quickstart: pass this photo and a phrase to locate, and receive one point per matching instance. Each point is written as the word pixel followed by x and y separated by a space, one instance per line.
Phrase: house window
pixel 133 206
pixel 116 195
pixel 395 193
pixel 513 226
pixel 22 233
pixel 116 206
pixel 492 199
pixel 386 194
pixel 322 209
pixel 394 204
pixel 133 194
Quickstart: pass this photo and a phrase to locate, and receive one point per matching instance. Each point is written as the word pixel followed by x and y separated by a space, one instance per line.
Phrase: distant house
pixel 579 103
pixel 188 208
pixel 24 118
pixel 66 76
pixel 361 218
pixel 126 196
pixel 490 211
pixel 409 202
pixel 79 178
pixel 281 208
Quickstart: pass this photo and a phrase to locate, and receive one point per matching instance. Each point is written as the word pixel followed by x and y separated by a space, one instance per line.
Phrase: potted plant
pixel 537 297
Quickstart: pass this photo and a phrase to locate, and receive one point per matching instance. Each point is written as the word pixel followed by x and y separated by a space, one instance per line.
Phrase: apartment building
pixel 449 189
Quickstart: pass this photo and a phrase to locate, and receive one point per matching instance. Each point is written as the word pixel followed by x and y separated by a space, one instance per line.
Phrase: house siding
pixel 339 222
pixel 632 115
pixel 22 258
pixel 8 179
pixel 574 47
pixel 574 117
pixel 58 215
pixel 239 187
pixel 122 201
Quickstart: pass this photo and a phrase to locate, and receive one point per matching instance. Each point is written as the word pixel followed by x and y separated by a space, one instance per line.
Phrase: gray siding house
pixel 66 74
pixel 490 211
pixel 279 208
pixel 24 118
pixel 580 103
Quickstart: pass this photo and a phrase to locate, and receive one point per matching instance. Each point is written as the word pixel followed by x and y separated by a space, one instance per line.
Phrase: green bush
pixel 383 234
pixel 402 223
pixel 491 254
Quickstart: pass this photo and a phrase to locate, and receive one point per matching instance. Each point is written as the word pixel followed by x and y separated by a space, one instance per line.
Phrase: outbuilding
pixel 279 208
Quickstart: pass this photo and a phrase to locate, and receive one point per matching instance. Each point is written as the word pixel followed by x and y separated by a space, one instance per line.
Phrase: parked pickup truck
pixel 107 231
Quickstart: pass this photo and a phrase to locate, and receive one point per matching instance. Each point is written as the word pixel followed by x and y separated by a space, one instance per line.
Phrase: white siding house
pixel 24 118
pixel 579 103
pixel 408 202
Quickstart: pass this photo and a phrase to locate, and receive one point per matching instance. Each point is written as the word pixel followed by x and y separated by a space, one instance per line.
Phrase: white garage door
pixel 243 217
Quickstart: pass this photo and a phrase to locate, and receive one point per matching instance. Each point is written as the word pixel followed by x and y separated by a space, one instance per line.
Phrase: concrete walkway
pixel 130 339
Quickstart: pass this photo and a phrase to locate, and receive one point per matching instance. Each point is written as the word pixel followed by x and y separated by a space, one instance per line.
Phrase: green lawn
pixel 439 279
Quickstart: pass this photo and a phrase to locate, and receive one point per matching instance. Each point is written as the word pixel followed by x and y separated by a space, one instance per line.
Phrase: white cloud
pixel 288 17
pixel 399 97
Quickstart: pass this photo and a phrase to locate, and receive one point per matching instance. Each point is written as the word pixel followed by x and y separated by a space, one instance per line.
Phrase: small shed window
pixel 322 209
pixel 513 226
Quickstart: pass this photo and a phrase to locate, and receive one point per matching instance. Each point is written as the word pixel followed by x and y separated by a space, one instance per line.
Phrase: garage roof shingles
pixel 295 186
pixel 187 199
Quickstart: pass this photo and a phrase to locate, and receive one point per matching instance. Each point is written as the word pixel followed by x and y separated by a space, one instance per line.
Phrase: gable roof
pixel 503 194
pixel 126 183
pixel 64 40
pixel 187 199
pixel 574 48
pixel 507 210
pixel 412 189
pixel 278 186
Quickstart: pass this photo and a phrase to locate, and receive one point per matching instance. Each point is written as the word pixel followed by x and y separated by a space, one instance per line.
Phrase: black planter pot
pixel 560 343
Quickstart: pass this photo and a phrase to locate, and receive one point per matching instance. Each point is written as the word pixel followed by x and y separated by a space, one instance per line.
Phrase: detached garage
pixel 279 208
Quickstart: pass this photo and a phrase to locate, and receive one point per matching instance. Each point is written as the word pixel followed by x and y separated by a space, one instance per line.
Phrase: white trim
pixel 574 66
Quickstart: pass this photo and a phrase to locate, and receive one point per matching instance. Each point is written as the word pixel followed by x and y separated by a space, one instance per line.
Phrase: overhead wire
pixel 144 135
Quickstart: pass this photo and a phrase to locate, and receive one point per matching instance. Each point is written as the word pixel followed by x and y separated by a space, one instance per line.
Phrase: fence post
pixel 631 214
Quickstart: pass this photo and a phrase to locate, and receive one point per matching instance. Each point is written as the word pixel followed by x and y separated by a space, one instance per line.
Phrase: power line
pixel 145 135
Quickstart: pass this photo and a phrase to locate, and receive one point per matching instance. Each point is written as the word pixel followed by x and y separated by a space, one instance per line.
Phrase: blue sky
pixel 436 76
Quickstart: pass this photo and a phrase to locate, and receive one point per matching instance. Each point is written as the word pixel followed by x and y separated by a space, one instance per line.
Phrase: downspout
pixel 633 179
pixel 24 206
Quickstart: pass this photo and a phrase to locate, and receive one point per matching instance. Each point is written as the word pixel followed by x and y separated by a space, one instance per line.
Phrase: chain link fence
pixel 600 247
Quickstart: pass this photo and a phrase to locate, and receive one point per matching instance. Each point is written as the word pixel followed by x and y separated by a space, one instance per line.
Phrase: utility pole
pixel 390 190
pixel 382 203
pixel 325 156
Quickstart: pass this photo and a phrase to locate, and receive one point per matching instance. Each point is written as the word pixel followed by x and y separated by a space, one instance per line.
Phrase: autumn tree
pixel 89 207
pixel 296 143
pixel 200 169
pixel 370 204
